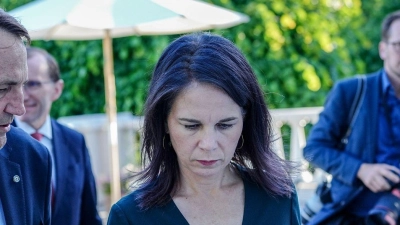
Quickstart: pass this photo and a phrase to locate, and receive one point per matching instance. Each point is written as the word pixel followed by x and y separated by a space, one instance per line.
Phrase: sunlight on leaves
pixel 287 21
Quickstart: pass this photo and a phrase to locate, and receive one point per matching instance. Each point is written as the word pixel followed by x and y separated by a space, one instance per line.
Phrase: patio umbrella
pixel 107 19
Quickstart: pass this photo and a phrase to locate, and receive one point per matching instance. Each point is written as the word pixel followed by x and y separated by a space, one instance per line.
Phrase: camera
pixel 387 209
pixel 321 196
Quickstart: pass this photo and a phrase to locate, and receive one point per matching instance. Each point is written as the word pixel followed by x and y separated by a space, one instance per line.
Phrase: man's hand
pixel 377 176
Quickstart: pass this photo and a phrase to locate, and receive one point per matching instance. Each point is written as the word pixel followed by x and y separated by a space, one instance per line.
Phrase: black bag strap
pixel 355 107
pixel 323 189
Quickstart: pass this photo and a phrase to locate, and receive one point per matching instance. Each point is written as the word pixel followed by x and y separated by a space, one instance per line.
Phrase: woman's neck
pixel 191 184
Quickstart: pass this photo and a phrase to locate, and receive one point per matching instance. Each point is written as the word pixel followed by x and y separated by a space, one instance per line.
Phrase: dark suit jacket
pixel 25 200
pixel 322 151
pixel 75 198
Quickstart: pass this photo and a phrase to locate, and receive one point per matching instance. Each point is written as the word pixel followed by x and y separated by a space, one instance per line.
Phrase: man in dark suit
pixel 364 170
pixel 74 197
pixel 25 164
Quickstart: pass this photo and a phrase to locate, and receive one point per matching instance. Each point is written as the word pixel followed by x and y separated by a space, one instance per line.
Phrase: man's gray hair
pixel 11 25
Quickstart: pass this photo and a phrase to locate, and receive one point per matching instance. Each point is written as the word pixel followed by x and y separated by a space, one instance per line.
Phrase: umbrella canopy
pixel 107 19
pixel 88 19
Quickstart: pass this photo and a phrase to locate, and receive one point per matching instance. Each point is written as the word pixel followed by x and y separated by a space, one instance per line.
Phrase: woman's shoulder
pixel 263 207
pixel 128 211
pixel 255 189
pixel 127 206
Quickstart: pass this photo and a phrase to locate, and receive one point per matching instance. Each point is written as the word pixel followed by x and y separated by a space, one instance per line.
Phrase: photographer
pixel 365 167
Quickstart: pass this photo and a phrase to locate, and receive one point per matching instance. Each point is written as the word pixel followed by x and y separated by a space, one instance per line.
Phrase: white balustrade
pixel 94 128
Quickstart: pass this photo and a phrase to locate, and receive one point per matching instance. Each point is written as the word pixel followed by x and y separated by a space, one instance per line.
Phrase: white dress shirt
pixel 46 140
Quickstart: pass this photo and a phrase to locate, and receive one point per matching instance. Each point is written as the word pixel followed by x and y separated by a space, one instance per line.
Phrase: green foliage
pixel 8 5
pixel 297 48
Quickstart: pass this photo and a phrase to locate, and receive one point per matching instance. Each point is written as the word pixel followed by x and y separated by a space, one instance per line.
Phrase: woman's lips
pixel 207 162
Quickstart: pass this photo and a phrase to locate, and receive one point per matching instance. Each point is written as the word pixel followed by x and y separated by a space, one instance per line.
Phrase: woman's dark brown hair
pixel 209 59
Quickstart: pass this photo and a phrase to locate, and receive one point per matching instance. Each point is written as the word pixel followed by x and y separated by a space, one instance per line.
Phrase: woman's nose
pixel 208 141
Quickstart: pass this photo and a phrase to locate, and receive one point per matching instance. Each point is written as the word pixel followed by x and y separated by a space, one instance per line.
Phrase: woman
pixel 207 144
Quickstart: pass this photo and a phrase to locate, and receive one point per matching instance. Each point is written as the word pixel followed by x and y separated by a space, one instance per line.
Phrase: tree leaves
pixel 297 48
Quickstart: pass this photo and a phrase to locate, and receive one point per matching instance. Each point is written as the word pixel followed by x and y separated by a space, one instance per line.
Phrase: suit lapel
pixel 61 162
pixel 11 189
pixel 371 102
pixel 60 154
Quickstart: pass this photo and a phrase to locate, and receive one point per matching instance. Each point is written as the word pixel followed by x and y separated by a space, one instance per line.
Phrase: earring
pixel 163 139
pixel 241 146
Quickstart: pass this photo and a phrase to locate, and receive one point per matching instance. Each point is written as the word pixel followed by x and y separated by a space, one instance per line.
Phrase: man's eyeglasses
pixel 32 85
pixel 396 45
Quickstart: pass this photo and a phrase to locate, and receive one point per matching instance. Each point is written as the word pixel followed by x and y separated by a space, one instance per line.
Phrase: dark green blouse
pixel 260 208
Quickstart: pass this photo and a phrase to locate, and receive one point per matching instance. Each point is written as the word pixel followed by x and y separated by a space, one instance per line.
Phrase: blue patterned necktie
pixel 394 117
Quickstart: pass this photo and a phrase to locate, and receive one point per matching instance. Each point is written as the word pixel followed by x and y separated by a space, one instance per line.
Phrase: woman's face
pixel 204 125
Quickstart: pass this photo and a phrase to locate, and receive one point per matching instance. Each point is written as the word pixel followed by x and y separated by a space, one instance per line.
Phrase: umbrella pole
pixel 111 109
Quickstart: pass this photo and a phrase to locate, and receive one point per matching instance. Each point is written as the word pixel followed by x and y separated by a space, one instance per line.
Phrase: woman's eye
pixel 224 126
pixel 192 126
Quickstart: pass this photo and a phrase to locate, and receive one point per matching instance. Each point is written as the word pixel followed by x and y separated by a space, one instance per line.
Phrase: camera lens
pixel 312 206
pixel 387 209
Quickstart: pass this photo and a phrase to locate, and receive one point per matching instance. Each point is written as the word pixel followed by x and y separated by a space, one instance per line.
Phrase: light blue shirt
pixel 2 219
pixel 389 123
